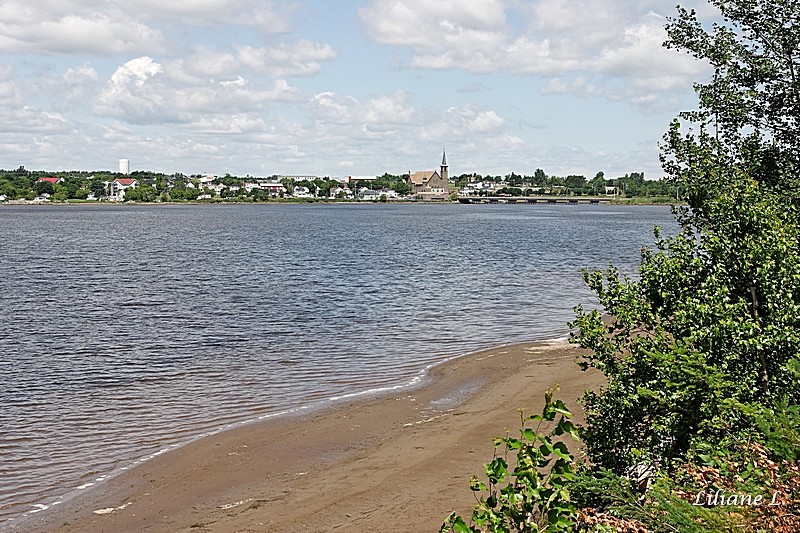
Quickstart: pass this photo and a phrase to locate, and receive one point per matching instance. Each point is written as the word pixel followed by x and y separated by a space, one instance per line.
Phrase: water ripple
pixel 129 329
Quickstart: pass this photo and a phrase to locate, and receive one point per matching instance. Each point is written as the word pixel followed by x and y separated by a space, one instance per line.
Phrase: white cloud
pixel 81 74
pixel 114 27
pixel 548 38
pixel 283 59
pixel 31 121
pixel 238 82
pixel 204 63
pixel 423 23
pixel 58 28
pixel 142 91
pixel 443 34
pixel 281 91
pixel 9 92
pixel 344 117
pixel 473 120
pixel 388 109
pixel 332 108
pixel 135 71
pixel 239 123
pixel 286 59
pixel 177 84
pixel 194 9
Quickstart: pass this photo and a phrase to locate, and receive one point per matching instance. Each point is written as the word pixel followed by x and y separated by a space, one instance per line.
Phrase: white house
pixel 342 192
pixel 476 188
pixel 274 188
pixel 216 187
pixel 368 194
pixel 119 186
pixel 302 192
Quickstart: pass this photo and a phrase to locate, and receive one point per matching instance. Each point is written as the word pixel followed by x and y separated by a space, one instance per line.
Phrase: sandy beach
pixel 389 463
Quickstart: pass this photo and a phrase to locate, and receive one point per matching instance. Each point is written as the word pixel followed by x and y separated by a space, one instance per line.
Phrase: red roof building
pixel 119 186
pixel 51 180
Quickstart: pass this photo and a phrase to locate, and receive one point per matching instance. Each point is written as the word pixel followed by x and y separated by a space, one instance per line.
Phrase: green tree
pixel 514 180
pixel 7 188
pixel 704 345
pixel 145 193
pixel 402 188
pixel 324 186
pixel 575 182
pixel 60 193
pixel 259 195
pixel 81 194
pixel 43 187
pixel 598 183
pixel 229 180
pixel 749 110
pixel 288 184
pixel 97 188
pixel 183 193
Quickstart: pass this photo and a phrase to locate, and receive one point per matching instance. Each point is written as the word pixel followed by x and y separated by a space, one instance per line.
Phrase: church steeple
pixel 443 172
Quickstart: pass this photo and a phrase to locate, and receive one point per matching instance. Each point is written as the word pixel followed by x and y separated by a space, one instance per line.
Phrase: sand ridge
pixel 391 463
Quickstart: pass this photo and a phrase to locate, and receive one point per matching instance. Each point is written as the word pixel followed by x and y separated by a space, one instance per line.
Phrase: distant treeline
pixel 155 186
pixel 630 185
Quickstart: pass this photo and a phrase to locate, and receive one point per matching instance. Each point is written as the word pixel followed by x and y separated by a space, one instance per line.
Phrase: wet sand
pixel 389 463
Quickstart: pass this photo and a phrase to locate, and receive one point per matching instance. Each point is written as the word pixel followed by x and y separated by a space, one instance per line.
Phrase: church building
pixel 430 184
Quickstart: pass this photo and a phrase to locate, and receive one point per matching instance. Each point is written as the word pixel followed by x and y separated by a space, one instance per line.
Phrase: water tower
pixel 125 166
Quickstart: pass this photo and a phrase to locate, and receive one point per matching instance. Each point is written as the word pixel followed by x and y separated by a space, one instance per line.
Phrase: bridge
pixel 534 199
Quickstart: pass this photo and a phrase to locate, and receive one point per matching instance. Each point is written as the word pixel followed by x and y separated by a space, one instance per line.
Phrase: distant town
pixel 22 186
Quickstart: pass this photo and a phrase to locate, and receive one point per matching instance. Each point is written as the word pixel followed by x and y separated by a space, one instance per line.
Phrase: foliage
pixel 145 193
pixel 534 495
pixel 607 500
pixel 633 185
pixel 749 110
pixel 745 469
pixel 183 193
pixel 709 332
pixel 79 184
pixel 710 327
pixel 398 184
pixel 701 350
pixel 43 187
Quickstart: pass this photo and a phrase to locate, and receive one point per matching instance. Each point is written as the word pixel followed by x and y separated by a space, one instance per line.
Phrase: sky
pixel 341 87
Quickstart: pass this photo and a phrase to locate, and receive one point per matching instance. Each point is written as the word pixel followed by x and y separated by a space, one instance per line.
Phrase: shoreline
pixel 404 456
pixel 420 379
pixel 626 202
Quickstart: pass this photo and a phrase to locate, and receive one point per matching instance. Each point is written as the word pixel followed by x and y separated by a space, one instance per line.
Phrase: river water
pixel 127 330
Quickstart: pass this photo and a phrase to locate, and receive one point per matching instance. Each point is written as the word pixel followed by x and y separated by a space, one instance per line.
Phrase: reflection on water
pixel 129 328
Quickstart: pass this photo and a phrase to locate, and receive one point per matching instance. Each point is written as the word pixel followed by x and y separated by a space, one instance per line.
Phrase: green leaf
pixel 561 451
pixel 476 485
pixel 459 526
